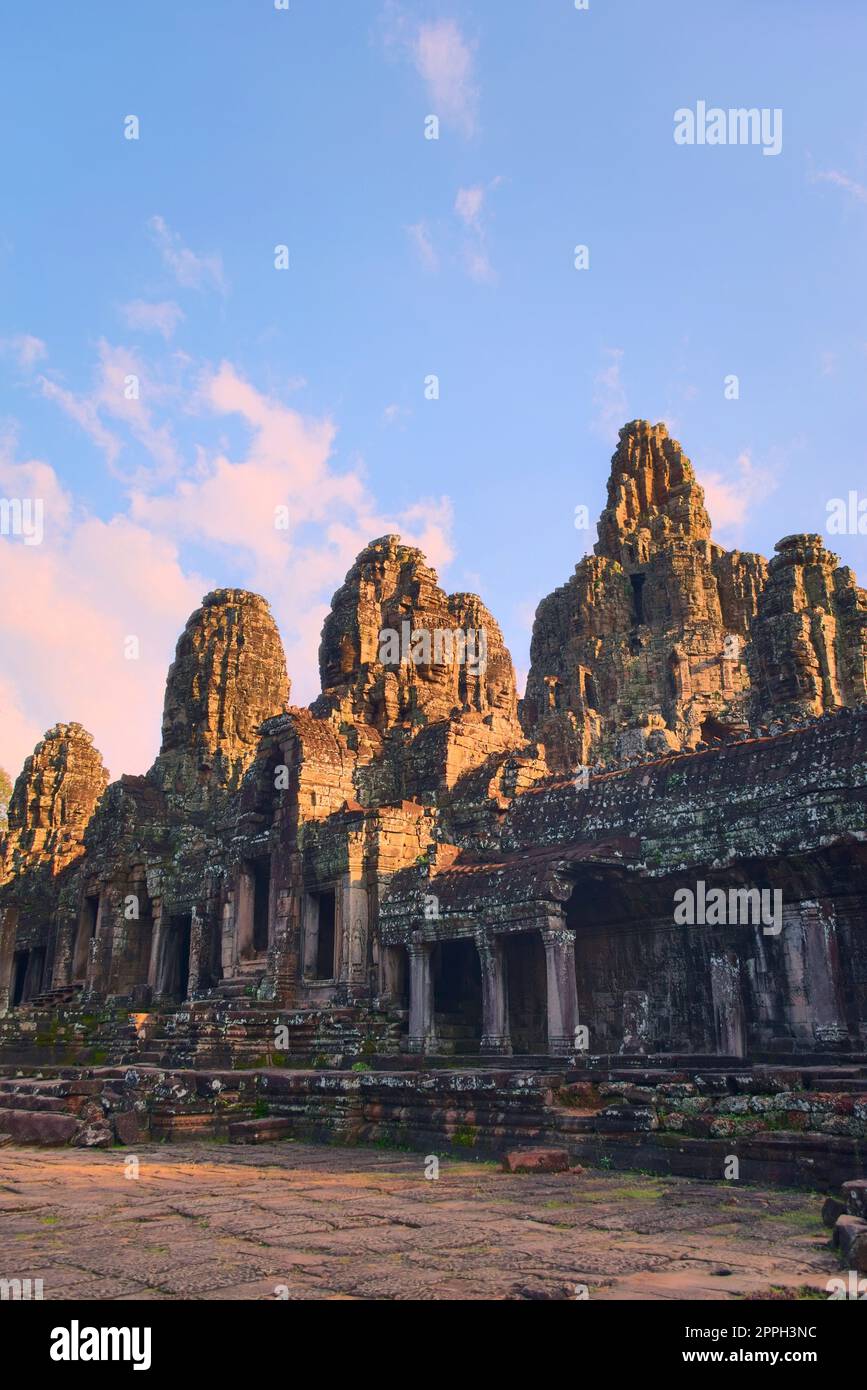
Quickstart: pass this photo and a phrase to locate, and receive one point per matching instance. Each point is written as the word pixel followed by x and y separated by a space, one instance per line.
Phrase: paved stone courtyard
pixel 208 1221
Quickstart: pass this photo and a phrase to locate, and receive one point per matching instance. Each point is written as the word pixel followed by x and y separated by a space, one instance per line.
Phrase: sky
pixel 195 408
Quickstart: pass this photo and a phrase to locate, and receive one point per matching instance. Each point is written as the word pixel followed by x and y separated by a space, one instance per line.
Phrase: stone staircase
pixel 787 1125
pixel 36 1110
pixel 229 1027
pixel 456 1035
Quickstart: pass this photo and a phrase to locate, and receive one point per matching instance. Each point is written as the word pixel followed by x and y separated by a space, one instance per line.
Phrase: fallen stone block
pixel 536 1161
pixel 832 1210
pixel 850 1238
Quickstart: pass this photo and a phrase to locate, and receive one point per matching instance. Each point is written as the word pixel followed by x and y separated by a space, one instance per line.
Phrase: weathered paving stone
pixel 536 1161
pixel 212 1222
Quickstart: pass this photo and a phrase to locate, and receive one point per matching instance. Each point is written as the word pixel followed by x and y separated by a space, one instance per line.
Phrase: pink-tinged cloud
pixel 420 237
pixel 468 205
pixel 26 349
pixel 192 270
pixel 841 180
pixel 79 595
pixel 93 583
pixel 161 317
pixel 731 498
pixel 609 397
pixel 124 391
pixel 445 60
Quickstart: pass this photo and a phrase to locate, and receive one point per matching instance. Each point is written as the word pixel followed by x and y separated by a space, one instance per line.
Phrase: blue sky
pixel 408 257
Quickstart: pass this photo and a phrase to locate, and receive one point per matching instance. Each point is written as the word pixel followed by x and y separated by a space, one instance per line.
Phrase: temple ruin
pixel 423 866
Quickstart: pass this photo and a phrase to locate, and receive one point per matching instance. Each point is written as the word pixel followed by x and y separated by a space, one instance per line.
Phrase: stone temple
pixel 424 871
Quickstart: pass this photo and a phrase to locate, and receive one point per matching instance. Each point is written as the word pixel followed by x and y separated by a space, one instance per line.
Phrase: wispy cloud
pixel 125 392
pixel 732 497
pixel 470 207
pixel 427 253
pixel 211 522
pixel 192 270
pixel 25 348
pixel 841 180
pixel 609 397
pixel 445 60
pixel 162 317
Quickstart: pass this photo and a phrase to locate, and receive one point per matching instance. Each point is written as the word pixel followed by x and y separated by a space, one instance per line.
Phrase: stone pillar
pixel 310 936
pixel 392 987
pixel 157 945
pixel 8 930
pixel 421 998
pixel 102 944
pixel 244 903
pixel 198 947
pixel 287 946
pixel 559 943
pixel 495 1022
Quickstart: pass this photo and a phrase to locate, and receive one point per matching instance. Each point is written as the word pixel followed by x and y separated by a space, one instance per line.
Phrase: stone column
pixel 102 945
pixel 392 989
pixel 559 943
pixel 495 1022
pixel 310 936
pixel 421 998
pixel 8 930
pixel 244 903
pixel 157 945
pixel 287 946
pixel 198 946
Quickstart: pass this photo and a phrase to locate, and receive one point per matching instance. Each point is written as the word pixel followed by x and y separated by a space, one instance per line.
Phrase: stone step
pixel 259 1131
pixel 40 1104
pixel 455 1030
pixel 39 1086
pixel 38 1126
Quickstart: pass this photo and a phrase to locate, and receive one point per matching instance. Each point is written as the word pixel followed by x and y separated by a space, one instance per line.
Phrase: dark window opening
pixel 20 962
pixel 715 731
pixel 591 699
pixel 326 916
pixel 637 582
pixel 261 902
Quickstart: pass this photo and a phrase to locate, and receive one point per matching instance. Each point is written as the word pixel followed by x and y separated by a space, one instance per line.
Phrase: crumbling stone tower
pixel 662 640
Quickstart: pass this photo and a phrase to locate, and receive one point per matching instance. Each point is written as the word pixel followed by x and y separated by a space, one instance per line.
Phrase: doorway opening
pixel 175 967
pixel 84 936
pixel 261 904
pixel 326 923
pixel 527 978
pixel 20 961
pixel 457 981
